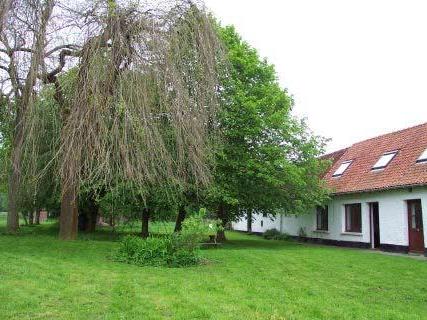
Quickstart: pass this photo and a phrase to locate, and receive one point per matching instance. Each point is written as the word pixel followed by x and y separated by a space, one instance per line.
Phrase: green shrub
pixel 169 250
pixel 196 228
pixel 183 258
pixel 175 250
pixel 271 233
pixel 274 234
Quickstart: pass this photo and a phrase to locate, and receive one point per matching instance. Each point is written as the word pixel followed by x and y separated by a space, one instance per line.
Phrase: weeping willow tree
pixel 142 108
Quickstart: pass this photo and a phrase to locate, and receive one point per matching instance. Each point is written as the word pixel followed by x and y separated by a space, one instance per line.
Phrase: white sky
pixel 356 68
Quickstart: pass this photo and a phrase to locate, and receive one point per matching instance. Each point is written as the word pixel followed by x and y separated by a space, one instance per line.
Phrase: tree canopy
pixel 143 105
pixel 269 159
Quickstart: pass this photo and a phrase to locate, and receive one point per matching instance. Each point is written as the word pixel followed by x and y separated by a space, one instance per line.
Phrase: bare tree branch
pixel 11 50
pixel 49 77
pixel 65 46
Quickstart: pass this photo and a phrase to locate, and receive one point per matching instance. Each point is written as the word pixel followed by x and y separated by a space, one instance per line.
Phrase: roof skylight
pixel 343 166
pixel 384 160
pixel 423 157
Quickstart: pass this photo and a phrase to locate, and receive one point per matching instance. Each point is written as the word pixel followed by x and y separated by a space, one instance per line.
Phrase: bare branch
pixel 65 46
pixel 49 77
pixel 12 50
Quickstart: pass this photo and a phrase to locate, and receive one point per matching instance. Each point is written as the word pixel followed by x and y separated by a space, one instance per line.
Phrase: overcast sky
pixel 356 68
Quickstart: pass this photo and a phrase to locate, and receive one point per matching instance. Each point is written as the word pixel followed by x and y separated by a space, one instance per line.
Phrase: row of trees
pixel 147 113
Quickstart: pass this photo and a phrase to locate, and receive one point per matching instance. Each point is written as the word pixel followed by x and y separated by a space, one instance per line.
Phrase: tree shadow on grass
pixel 255 242
pixel 45 229
pixel 50 228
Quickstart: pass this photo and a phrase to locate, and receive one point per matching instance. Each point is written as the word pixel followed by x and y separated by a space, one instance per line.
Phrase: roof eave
pixel 380 189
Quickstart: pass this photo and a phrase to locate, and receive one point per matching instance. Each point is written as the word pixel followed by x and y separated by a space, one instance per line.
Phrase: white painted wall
pixel 392 214
pixel 259 223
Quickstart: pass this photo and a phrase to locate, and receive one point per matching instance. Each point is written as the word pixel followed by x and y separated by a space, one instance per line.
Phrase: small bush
pixel 175 250
pixel 274 234
pixel 183 258
pixel 170 250
pixel 196 229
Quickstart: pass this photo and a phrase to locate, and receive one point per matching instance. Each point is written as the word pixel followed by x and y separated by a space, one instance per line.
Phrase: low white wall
pixel 393 218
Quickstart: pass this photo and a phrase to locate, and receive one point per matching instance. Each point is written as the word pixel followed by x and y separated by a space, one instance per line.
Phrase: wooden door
pixel 415 226
pixel 376 224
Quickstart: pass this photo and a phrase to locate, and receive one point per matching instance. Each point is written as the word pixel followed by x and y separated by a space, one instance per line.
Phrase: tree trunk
pixel 249 220
pixel 180 218
pixel 111 221
pixel 12 213
pixel 15 176
pixel 31 218
pixel 37 216
pixel 145 220
pixel 222 215
pixel 68 220
pixel 23 101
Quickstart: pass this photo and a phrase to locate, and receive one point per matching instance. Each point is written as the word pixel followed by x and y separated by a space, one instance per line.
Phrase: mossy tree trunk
pixel 222 216
pixel 68 220
pixel 180 218
pixel 12 213
pixel 37 220
pixel 31 218
pixel 23 89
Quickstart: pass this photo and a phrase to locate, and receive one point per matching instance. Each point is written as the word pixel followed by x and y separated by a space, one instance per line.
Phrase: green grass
pixel 249 278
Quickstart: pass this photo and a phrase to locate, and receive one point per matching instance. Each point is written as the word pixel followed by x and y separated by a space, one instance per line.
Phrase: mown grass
pixel 248 278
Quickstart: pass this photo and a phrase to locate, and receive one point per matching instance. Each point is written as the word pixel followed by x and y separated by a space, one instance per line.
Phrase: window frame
pixel 349 220
pixel 322 218
pixel 348 162
pixel 393 153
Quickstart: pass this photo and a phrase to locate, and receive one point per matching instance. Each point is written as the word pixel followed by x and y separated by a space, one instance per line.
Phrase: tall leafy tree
pixel 268 161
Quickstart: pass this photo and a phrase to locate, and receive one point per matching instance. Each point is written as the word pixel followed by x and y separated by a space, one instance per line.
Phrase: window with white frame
pixel 341 169
pixel 423 157
pixel 384 160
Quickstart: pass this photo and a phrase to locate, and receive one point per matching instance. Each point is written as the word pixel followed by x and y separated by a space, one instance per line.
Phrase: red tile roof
pixel 402 171
pixel 334 156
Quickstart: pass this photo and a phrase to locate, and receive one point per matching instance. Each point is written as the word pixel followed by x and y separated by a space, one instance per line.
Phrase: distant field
pixel 248 278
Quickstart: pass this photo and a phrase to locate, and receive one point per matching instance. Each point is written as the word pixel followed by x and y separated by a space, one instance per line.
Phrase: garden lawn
pixel 248 278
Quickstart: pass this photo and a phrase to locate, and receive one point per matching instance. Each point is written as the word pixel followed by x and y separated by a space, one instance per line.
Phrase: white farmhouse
pixel 379 195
